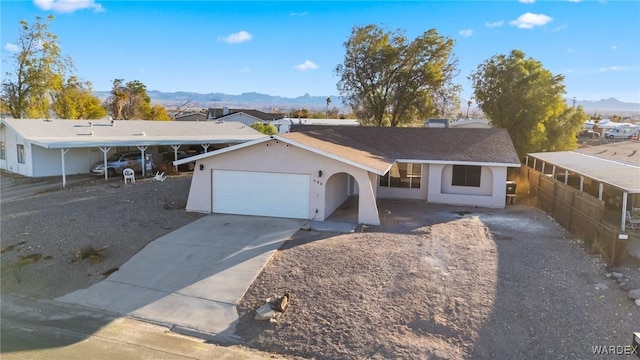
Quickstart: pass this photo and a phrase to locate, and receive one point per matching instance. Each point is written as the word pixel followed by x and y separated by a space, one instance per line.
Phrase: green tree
pixel 38 62
pixel 267 129
pixel 75 100
pixel 520 95
pixel 131 101
pixel 158 112
pixel 387 80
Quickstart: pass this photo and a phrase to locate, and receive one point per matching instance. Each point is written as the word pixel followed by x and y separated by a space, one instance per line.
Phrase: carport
pixel 603 171
pixel 37 141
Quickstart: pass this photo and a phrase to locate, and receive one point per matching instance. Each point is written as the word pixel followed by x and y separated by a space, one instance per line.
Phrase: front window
pixel 402 175
pixel 466 175
pixel 20 153
pixel 2 155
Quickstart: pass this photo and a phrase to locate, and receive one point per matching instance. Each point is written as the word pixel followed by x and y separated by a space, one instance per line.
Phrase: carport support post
pixel 566 177
pixel 64 175
pixel 581 183
pixel 600 190
pixel 175 154
pixel 553 172
pixel 144 162
pixel 624 211
pixel 105 150
pixel 543 164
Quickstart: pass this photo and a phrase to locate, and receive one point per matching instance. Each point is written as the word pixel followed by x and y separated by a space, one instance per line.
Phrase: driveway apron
pixel 192 278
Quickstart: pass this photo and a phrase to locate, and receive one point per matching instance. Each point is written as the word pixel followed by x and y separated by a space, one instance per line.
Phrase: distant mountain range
pixel 258 101
pixel 605 106
pixel 252 100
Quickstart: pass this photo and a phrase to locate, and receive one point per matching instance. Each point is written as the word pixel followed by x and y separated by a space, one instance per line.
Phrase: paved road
pixel 33 330
pixel 192 278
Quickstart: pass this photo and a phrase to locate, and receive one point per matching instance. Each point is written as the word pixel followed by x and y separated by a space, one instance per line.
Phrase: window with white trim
pixel 20 153
pixel 2 154
pixel 466 175
pixel 402 175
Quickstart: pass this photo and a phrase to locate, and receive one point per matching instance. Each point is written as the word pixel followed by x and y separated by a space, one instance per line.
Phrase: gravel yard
pixel 444 283
pixel 430 282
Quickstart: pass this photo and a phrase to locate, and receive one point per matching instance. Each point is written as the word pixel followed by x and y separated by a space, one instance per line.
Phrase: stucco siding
pixel 491 192
pixel 336 192
pixel 278 157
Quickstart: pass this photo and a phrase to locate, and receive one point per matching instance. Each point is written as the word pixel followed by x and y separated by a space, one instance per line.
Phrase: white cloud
pixel 614 47
pixel 307 65
pixel 142 71
pixel 527 1
pixel 245 70
pixel 575 1
pixel 613 68
pixel 569 50
pixel 68 6
pixel 298 13
pixel 12 47
pixel 465 33
pixel 530 20
pixel 237 38
pixel 494 24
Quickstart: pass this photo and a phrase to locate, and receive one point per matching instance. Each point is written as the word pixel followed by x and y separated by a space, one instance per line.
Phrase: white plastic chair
pixel 160 176
pixel 130 175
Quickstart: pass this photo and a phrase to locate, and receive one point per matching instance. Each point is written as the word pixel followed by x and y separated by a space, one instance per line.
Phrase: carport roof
pixel 617 165
pixel 54 134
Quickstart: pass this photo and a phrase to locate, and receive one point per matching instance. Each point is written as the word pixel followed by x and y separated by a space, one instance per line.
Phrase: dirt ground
pixel 441 282
pixel 431 282
pixel 42 234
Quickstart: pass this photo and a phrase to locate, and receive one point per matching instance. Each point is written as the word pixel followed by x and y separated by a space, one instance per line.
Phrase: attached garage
pixel 260 193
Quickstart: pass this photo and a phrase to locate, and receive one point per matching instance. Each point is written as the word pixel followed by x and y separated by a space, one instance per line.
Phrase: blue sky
pixel 291 48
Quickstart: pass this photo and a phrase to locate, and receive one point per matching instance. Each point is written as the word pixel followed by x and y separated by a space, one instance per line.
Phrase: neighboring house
pixel 194 116
pixel 38 148
pixel 310 173
pixel 470 123
pixel 245 116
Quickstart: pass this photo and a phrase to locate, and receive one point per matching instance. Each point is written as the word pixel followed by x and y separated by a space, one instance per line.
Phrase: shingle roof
pixel 216 113
pixel 467 145
pixel 78 133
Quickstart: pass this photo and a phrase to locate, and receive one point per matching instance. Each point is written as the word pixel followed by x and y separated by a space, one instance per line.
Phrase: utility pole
pixel 574 102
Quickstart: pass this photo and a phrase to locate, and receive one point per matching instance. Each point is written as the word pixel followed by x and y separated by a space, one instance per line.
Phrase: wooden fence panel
pixel 579 212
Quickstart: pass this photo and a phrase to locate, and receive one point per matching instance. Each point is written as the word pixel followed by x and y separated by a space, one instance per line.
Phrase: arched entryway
pixel 341 200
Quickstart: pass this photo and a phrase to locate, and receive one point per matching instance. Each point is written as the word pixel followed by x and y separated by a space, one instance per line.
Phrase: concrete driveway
pixel 192 278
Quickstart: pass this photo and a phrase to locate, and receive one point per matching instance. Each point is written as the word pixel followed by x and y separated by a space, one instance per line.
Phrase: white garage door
pixel 261 193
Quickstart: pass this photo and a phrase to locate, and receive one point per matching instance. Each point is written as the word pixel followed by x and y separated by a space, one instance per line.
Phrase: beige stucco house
pixel 309 173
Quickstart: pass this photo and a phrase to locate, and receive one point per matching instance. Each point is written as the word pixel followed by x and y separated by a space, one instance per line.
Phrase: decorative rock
pixel 634 294
pixel 638 302
pixel 265 312
pixel 616 275
pixel 625 286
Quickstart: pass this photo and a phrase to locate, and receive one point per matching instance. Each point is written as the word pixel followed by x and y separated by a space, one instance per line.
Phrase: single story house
pixel 245 116
pixel 308 174
pixel 39 148
pixel 192 116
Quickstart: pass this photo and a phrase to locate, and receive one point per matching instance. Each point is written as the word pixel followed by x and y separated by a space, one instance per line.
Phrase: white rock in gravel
pixel 617 275
pixel 634 294
pixel 638 302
